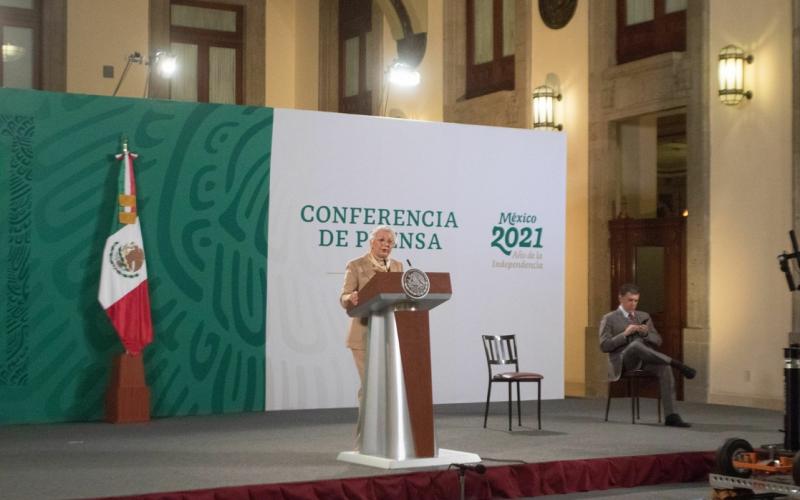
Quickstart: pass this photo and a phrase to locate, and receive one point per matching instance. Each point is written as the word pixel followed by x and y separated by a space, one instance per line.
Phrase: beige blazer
pixel 359 271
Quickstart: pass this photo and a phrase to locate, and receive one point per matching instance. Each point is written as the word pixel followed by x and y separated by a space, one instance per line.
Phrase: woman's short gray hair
pixel 380 229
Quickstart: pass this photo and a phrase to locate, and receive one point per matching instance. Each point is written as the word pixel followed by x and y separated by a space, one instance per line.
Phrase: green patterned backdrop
pixel 203 187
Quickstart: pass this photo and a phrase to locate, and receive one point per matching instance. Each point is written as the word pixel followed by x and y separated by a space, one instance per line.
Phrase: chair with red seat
pixel 502 350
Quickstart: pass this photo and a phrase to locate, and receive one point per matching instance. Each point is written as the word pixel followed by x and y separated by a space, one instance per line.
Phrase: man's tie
pixel 631 317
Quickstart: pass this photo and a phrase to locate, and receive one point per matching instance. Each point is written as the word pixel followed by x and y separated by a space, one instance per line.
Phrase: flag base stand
pixel 127 397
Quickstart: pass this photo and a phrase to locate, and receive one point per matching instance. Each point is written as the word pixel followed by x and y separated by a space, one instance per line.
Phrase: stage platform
pixel 89 460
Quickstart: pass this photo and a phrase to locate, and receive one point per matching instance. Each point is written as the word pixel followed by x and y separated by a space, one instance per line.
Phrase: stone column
pixel 696 333
pixel 602 184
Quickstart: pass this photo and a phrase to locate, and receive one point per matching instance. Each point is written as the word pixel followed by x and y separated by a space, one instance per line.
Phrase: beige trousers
pixel 359 356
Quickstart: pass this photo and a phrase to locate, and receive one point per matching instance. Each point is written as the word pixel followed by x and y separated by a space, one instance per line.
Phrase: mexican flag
pixel 123 277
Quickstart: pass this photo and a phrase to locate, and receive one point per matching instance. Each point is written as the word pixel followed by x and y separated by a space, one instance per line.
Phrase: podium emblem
pixel 416 283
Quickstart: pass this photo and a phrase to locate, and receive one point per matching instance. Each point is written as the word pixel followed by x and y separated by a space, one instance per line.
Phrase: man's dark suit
pixel 636 352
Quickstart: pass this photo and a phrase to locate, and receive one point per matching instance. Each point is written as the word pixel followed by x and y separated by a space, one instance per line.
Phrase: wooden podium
pixel 397 408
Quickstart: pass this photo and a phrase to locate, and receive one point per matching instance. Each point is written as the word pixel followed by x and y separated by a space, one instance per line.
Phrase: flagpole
pixel 124 296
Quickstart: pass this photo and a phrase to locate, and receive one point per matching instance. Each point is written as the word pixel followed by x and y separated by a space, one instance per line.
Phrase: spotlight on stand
pixel 165 64
pixel 403 75
pixel 790 264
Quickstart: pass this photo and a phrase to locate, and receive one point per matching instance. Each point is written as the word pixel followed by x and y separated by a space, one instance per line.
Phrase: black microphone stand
pixel 462 469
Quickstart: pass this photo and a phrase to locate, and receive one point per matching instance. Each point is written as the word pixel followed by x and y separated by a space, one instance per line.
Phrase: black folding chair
pixel 633 380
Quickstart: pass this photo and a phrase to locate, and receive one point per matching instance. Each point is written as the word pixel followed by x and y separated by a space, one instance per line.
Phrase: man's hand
pixel 631 330
pixel 635 329
pixel 354 298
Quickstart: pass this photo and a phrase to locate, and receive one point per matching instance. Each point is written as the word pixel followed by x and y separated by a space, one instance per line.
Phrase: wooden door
pixel 355 25
pixel 652 254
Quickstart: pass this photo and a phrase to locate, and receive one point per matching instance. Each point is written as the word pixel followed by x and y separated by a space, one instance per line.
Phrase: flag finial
pixel 124 143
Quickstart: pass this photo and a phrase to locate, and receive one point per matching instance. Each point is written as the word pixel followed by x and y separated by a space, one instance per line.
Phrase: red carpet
pixel 508 481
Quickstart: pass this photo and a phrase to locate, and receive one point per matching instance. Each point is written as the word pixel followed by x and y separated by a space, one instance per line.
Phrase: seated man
pixel 630 339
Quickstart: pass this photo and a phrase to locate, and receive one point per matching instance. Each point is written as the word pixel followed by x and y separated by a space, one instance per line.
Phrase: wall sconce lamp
pixel 164 63
pixel 731 75
pixel 544 98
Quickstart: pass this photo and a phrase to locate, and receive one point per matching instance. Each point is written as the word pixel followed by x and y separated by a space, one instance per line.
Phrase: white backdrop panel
pixel 503 192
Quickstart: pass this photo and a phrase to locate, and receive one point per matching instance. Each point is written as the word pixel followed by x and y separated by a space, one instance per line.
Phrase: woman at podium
pixel 359 271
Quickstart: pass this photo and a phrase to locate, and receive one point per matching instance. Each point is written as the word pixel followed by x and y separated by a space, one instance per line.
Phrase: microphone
pixel 479 468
